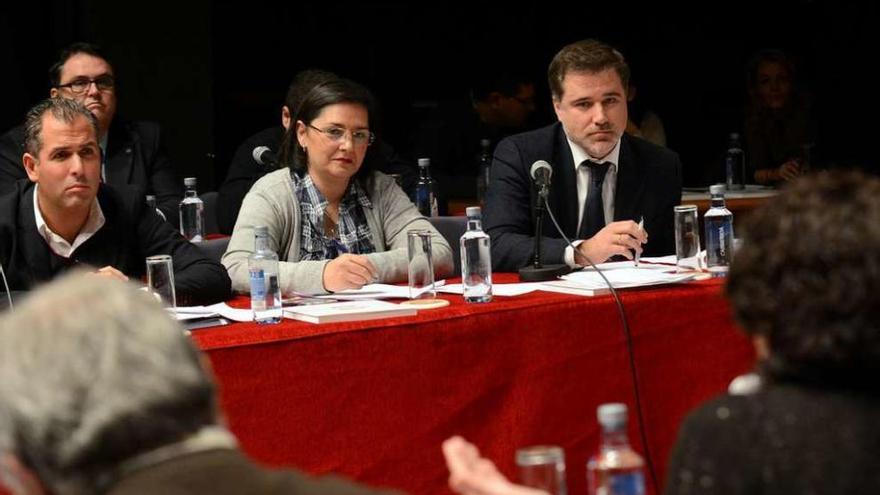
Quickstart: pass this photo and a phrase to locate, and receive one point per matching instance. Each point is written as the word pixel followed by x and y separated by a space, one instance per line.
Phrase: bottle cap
pixel 612 416
pixel 717 189
pixel 485 143
pixel 473 211
pixel 189 182
pixel 150 197
pixel 261 230
pixel 424 162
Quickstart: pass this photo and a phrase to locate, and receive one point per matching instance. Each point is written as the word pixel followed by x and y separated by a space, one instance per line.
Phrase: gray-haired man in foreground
pixel 112 398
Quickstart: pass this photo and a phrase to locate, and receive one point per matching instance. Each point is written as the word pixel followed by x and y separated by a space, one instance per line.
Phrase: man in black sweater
pixel 66 217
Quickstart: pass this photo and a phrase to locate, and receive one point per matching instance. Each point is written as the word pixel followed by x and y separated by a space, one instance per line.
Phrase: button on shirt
pixel 609 186
pixel 58 244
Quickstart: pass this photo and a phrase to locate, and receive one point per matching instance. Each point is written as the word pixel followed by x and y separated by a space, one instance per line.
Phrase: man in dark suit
pixel 104 393
pixel 65 217
pixel 132 151
pixel 604 182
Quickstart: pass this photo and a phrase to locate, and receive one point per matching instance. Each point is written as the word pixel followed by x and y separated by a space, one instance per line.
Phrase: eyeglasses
pixel 337 134
pixel 81 85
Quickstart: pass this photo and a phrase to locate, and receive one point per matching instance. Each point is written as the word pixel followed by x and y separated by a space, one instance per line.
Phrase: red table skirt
pixel 373 400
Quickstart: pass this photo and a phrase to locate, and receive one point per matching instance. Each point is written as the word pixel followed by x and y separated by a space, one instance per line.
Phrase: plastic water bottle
pixel 735 164
pixel 265 286
pixel 476 263
pixel 192 213
pixel 151 202
pixel 616 469
pixel 426 190
pixel 719 233
pixel 484 165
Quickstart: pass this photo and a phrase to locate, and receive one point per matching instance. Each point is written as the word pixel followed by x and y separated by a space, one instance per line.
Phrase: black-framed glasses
pixel 81 84
pixel 361 137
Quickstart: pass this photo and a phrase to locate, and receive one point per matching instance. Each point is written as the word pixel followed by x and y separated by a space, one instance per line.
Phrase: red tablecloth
pixel 373 400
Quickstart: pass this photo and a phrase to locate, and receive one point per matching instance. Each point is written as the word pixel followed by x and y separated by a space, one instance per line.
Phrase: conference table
pixel 373 400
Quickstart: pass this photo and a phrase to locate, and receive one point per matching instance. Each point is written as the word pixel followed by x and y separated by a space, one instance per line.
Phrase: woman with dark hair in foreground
pixel 806 287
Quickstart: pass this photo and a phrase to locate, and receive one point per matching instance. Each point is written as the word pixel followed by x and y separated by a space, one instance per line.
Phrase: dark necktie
pixel 593 218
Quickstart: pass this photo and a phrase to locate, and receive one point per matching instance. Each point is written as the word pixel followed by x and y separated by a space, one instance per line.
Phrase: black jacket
pixel 788 438
pixel 648 185
pixel 135 155
pixel 131 232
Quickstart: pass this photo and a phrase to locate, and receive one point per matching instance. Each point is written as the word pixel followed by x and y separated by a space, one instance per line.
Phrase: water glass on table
pixel 160 279
pixel 687 238
pixel 421 268
pixel 542 467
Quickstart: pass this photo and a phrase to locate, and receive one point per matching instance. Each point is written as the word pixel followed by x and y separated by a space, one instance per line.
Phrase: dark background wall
pixel 214 73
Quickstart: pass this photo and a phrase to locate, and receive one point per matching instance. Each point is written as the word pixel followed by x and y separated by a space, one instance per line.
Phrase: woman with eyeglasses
pixel 335 223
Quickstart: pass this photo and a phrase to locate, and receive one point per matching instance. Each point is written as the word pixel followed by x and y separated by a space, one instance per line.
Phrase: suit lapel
pixel 564 193
pixel 630 184
pixel 120 157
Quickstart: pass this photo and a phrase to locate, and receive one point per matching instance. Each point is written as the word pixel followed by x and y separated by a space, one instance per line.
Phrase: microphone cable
pixel 6 284
pixel 629 347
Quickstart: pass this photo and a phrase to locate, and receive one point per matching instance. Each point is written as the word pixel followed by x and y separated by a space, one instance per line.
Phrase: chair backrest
pixel 451 228
pixel 213 248
pixel 210 201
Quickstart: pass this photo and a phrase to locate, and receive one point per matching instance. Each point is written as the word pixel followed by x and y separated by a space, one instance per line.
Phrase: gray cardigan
pixel 272 202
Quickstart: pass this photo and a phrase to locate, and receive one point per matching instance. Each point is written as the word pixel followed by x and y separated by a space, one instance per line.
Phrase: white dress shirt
pixel 58 244
pixel 609 187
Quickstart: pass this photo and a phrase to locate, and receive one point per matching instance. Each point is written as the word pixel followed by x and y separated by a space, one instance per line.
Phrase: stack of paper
pixel 620 278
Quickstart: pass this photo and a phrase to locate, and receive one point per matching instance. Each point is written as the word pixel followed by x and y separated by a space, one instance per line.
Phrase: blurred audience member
pixel 806 286
pixel 643 122
pixel 104 393
pixel 779 125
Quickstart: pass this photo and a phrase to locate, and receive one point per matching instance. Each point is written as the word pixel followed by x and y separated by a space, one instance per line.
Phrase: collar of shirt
pixel 207 438
pixel 58 244
pixel 579 155
pixel 609 185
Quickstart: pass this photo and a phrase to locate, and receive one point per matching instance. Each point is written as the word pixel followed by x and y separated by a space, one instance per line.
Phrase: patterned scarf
pixel 352 230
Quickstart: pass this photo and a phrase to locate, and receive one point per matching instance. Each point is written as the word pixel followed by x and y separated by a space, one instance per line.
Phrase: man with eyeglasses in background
pixel 132 152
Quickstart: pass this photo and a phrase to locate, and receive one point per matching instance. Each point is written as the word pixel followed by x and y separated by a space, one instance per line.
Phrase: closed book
pixel 574 288
pixel 348 311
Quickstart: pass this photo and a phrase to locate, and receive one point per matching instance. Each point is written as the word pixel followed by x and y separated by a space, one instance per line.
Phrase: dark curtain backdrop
pixel 214 73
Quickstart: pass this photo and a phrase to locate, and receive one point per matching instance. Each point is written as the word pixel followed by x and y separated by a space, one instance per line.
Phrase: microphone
pixel 541 172
pixel 265 156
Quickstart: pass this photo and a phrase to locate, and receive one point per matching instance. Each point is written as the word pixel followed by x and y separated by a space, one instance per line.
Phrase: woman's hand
pixel 348 271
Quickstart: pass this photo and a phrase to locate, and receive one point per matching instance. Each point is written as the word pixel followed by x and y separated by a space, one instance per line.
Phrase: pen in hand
pixel 641 229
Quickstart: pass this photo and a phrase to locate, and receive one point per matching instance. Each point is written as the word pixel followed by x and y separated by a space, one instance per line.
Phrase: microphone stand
pixel 538 272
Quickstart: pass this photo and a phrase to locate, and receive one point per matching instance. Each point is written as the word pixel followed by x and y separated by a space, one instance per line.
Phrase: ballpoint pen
pixel 641 229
